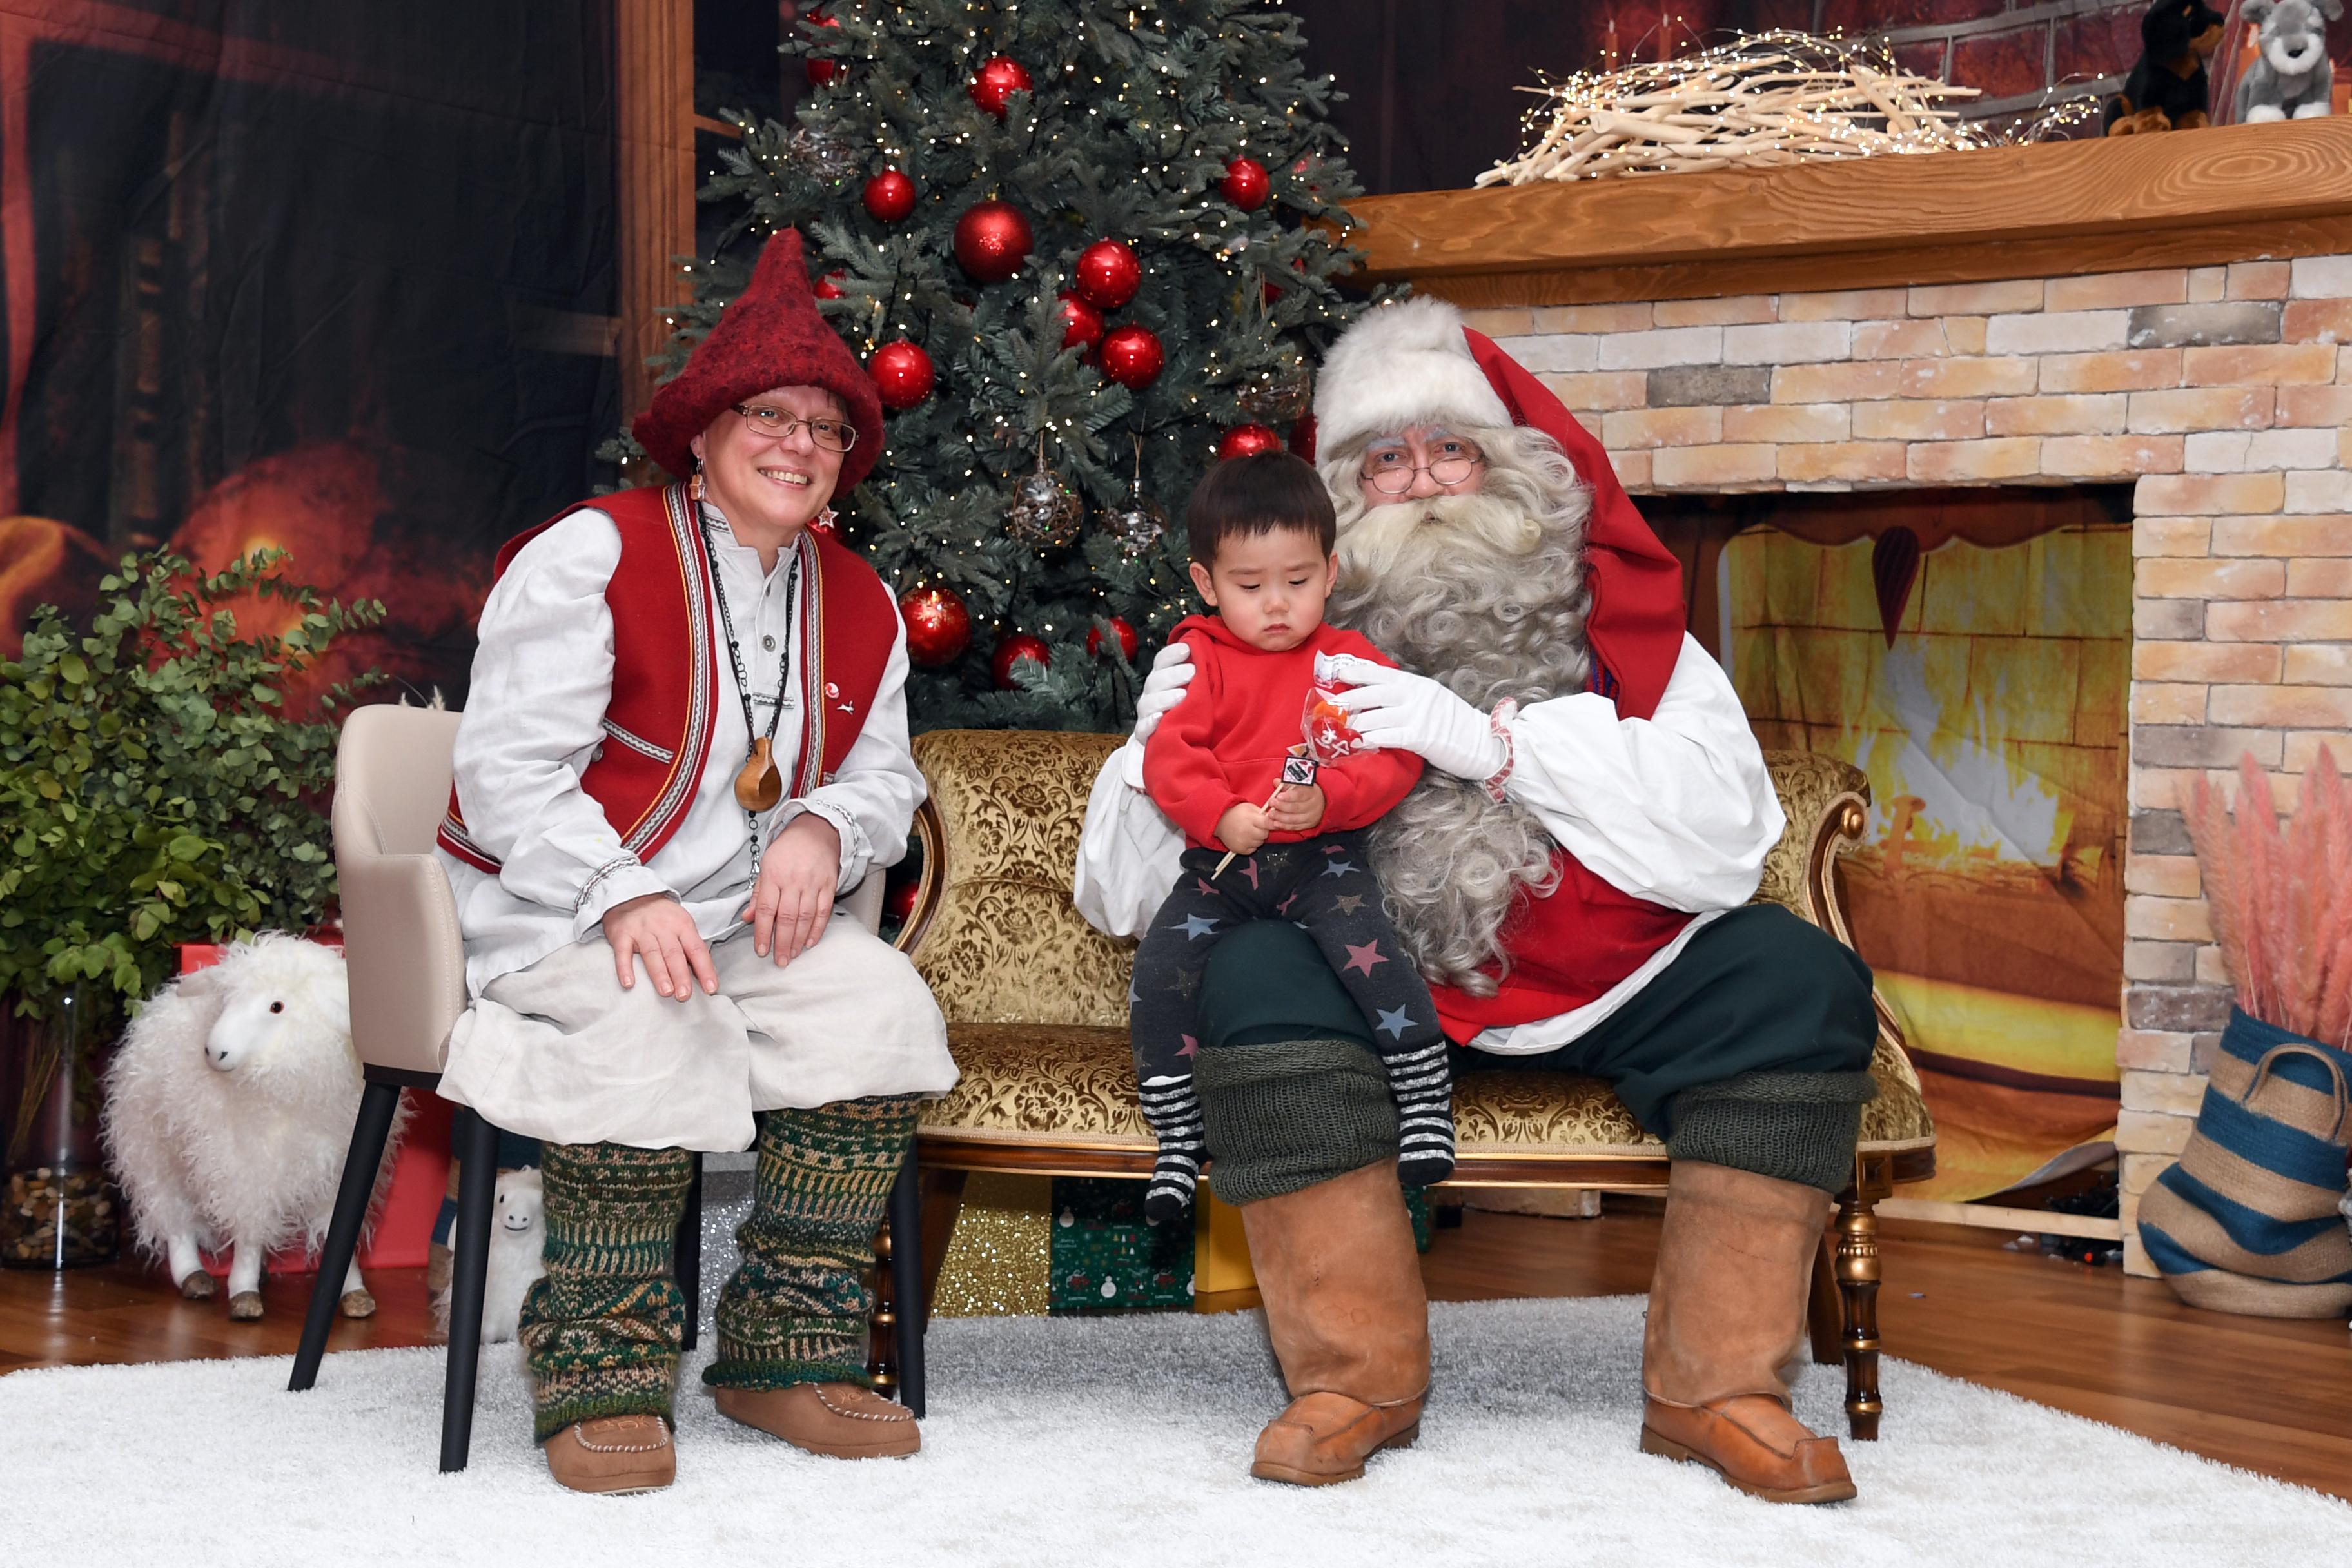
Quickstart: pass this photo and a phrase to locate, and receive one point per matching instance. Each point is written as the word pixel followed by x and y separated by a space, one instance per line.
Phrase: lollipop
pixel 1331 735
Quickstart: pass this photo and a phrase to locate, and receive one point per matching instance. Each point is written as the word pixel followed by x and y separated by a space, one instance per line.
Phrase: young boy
pixel 1261 530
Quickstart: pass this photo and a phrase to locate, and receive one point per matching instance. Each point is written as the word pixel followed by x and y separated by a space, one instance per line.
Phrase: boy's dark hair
pixel 1243 497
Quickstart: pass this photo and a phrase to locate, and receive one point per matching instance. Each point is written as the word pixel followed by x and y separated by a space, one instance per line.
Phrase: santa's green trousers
pixel 601 1331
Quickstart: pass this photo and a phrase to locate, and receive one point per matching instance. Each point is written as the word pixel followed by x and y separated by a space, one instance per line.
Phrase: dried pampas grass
pixel 2281 896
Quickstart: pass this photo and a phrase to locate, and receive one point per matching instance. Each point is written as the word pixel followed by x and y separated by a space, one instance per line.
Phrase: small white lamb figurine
pixel 229 1114
pixel 518 1234
pixel 2291 77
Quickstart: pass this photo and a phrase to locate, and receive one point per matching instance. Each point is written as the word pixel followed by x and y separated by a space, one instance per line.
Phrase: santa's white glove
pixel 1172 671
pixel 1395 710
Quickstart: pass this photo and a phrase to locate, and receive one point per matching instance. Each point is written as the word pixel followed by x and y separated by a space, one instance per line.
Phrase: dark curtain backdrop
pixel 338 277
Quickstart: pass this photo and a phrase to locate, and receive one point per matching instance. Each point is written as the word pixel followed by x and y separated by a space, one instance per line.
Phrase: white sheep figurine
pixel 229 1115
pixel 518 1239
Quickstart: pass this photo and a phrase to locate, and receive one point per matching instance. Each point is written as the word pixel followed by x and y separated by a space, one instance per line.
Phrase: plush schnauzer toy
pixel 2290 79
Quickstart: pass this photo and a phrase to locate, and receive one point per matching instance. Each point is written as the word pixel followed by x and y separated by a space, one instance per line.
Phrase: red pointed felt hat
pixel 771 335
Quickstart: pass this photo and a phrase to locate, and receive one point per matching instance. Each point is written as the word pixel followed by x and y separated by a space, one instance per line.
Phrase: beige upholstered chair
pixel 1037 1008
pixel 407 967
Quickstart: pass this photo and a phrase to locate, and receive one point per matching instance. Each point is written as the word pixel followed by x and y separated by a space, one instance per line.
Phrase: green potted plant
pixel 154 789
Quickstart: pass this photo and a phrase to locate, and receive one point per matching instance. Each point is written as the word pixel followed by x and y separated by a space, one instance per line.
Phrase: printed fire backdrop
pixel 1972 659
pixel 333 278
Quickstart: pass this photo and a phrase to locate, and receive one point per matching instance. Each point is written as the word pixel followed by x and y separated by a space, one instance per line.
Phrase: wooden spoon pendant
pixel 758 785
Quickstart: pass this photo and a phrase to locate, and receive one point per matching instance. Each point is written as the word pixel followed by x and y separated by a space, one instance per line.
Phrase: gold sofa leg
pixel 1857 1268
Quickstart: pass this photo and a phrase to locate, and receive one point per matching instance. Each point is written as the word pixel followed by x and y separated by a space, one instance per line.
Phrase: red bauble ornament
pixel 889 196
pixel 898 901
pixel 938 627
pixel 1108 274
pixel 992 241
pixel 1132 356
pixel 826 289
pixel 1247 441
pixel 1011 651
pixel 997 81
pixel 1120 628
pixel 1082 324
pixel 902 373
pixel 1246 184
pixel 822 71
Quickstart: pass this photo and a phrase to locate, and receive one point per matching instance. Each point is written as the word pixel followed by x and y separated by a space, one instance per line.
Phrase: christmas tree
pixel 1087 249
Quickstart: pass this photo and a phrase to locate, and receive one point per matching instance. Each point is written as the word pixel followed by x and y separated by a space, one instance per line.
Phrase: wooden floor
pixel 2271 1396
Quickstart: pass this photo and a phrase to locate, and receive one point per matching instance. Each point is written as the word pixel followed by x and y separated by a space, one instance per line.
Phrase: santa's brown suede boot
pixel 613 1454
pixel 1726 1321
pixel 1349 1322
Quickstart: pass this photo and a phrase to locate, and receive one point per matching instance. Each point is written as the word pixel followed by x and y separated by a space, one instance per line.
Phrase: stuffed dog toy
pixel 2291 77
pixel 2166 90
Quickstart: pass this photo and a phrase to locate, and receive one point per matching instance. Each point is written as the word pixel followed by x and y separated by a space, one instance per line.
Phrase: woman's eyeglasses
pixel 832 435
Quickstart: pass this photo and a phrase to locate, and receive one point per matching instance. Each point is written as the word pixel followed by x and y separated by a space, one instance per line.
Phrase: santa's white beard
pixel 1477 593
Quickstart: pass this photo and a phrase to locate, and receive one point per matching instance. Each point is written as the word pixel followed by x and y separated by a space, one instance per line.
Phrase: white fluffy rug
pixel 1110 1443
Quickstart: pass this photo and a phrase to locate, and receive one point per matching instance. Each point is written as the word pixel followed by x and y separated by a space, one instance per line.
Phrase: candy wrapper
pixel 1327 721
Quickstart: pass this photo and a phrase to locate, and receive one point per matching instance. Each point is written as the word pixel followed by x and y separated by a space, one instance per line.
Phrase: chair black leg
pixel 687 1259
pixel 372 1126
pixel 476 1144
pixel 907 1280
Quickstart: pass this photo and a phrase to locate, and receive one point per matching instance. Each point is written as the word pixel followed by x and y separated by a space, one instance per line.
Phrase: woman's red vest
pixel 667 671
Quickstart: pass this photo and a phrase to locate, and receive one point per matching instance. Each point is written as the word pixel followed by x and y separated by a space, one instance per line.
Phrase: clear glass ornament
pixel 1046 512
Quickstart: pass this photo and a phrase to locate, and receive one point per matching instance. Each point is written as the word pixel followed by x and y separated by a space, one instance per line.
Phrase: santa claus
pixel 1572 876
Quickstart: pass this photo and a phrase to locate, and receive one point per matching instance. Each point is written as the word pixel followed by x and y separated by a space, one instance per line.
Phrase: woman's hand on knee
pixel 799 876
pixel 656 929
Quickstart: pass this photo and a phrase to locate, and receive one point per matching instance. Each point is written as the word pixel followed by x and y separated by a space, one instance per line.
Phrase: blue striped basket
pixel 2247 1222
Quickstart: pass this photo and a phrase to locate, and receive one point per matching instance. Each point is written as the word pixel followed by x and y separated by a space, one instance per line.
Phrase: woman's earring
pixel 694 485
pixel 824 520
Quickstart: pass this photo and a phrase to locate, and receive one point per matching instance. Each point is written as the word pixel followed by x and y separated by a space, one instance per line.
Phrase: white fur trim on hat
pixel 1398 365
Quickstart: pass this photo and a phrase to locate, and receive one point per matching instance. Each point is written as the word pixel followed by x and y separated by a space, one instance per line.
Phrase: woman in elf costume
pixel 686 734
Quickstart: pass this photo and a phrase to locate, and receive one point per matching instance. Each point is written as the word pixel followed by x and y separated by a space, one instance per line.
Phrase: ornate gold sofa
pixel 1036 1006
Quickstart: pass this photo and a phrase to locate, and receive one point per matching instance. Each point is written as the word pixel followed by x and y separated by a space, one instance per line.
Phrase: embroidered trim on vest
pixel 694 570
pixel 455 837
pixel 640 745
pixel 811 768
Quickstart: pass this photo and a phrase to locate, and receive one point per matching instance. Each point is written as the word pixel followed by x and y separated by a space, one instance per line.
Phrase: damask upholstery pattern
pixel 1806 783
pixel 1036 999
pixel 1004 945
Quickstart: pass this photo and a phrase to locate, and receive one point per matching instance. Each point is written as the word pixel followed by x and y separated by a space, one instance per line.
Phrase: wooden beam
pixel 2182 198
pixel 1993 1216
pixel 653 63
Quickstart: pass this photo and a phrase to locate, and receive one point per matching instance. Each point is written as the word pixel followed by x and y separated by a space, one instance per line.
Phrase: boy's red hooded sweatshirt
pixel 1223 745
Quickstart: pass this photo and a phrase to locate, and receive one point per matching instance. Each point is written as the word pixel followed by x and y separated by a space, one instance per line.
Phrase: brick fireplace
pixel 2215 384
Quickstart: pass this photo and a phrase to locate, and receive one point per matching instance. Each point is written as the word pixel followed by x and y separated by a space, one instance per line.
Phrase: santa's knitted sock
pixel 1422 1081
pixel 1172 1106
pixel 796 1309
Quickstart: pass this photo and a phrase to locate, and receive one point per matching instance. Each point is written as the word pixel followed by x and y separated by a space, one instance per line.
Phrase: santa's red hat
pixel 1416 362
pixel 771 336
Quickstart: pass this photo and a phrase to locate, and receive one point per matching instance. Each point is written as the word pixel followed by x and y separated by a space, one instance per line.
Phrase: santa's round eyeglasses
pixel 1387 471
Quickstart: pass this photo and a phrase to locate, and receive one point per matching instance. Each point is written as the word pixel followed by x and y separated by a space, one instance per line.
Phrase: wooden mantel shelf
pixel 2182 198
